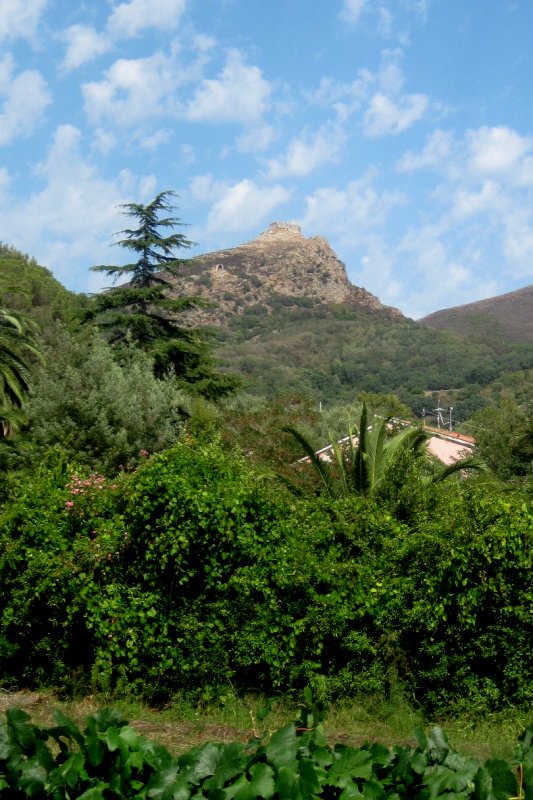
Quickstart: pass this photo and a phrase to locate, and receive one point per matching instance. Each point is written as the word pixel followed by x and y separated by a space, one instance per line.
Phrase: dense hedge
pixel 194 572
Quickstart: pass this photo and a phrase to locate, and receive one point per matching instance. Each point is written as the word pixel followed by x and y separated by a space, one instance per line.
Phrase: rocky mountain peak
pixel 278 263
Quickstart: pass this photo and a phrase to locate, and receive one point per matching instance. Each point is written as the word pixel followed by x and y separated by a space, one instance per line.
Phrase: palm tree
pixel 362 466
pixel 17 346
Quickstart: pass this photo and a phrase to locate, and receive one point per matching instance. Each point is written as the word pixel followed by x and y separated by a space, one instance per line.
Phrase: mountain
pixel 276 266
pixel 287 319
pixel 509 315
pixel 284 316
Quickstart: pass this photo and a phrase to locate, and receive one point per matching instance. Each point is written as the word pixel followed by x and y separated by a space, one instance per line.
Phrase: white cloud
pixel 132 91
pixel 351 212
pixel 351 10
pixel 83 44
pixel 129 19
pixel 469 202
pixel 239 206
pixel 496 150
pixel 437 151
pixel 256 139
pixel 104 142
pixel 20 18
pixel 307 152
pixel 69 223
pixel 126 20
pixel 155 139
pixel 5 180
pixel 238 94
pixel 385 116
pixel 518 242
pixel 26 96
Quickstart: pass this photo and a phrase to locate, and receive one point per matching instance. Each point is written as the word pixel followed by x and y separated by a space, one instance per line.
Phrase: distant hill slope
pixel 285 316
pixel 333 352
pixel 508 314
pixel 27 287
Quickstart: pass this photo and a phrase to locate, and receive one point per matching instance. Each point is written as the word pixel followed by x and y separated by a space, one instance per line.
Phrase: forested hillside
pixel 157 539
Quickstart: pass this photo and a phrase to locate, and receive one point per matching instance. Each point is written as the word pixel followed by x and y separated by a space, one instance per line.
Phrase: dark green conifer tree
pixel 142 311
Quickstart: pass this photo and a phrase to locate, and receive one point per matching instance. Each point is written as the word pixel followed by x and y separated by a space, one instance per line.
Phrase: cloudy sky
pixel 402 130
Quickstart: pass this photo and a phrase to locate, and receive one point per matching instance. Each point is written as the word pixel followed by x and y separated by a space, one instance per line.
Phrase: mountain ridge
pixel 509 314
pixel 279 262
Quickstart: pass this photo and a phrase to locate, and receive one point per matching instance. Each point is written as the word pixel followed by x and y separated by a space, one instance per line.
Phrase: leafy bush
pixel 194 572
pixel 98 411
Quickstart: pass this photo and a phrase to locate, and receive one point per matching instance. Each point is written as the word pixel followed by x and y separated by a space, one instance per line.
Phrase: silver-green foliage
pixel 101 412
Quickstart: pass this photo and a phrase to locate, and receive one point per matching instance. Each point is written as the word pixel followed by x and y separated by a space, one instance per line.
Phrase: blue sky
pixel 402 130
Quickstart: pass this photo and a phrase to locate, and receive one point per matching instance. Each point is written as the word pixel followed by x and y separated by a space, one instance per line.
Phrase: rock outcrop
pixel 280 262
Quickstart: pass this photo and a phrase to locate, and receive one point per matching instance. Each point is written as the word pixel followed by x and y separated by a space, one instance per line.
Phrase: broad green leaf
pixel 261 784
pixel 282 748
pixel 5 744
pixel 93 744
pixel 23 732
pixel 167 785
pixel 440 779
pixel 373 790
pixel 230 763
pixel 107 718
pixel 351 764
pixel 136 759
pixel 351 792
pixel 302 783
pixel 130 736
pixel 67 773
pixel 201 762
pixel 112 738
pixel 437 745
pixel 32 777
pixel 66 727
pixel 380 754
pixel 504 783
pixel 94 793
pixel 323 756
pixel 229 792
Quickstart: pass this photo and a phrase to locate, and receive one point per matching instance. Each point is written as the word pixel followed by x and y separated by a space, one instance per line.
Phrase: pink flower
pixel 69 504
pixel 144 453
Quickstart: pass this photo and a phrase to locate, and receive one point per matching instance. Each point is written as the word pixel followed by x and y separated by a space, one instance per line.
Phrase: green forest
pixel 161 537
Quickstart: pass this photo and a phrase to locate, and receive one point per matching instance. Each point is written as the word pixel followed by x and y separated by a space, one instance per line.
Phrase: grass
pixel 181 726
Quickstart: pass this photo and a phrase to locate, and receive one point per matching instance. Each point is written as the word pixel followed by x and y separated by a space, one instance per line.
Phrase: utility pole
pixel 438 411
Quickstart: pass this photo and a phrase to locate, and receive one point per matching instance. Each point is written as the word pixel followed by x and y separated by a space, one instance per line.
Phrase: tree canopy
pixel 143 311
